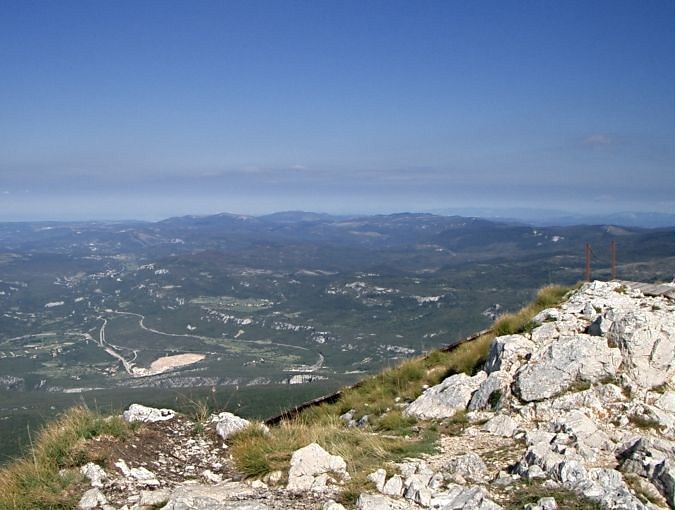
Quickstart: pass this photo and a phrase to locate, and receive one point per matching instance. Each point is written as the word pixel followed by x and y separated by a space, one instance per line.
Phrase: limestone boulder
pixel 583 429
pixel 652 458
pixel 141 413
pixel 382 502
pixel 469 466
pixel 646 338
pixel 558 366
pixel 225 496
pixel 228 424
pixel 508 352
pixel 491 392
pixel 312 468
pixel 460 497
pixel 393 486
pixel 92 499
pixel 94 473
pixel 447 398
pixel 501 425
pixel 378 477
pixel 416 490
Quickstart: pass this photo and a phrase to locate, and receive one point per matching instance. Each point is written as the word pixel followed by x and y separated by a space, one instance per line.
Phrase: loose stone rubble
pixel 584 403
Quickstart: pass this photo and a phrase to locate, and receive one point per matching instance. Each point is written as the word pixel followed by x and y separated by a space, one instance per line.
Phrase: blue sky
pixel 149 109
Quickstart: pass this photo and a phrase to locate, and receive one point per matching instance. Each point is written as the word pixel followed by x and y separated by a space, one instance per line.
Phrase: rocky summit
pixel 581 403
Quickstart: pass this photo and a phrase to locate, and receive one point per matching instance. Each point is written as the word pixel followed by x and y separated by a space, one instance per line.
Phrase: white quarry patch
pixel 166 363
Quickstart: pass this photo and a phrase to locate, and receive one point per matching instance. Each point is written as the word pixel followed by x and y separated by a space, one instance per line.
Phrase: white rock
pixel 139 475
pixel 470 466
pixel 138 412
pixel 496 385
pixel 308 464
pixel 94 473
pixel 228 423
pixel 646 337
pixel 666 402
pixel 393 486
pixel 212 477
pixel 417 491
pixel 501 425
pixel 378 478
pixel 583 429
pixel 556 367
pixel 540 454
pixel 224 496
pixel 154 498
pixel 381 502
pixel 508 352
pixel 548 314
pixel 332 505
pixel 652 458
pixel 92 499
pixel 446 398
pixel 464 498
pixel 569 472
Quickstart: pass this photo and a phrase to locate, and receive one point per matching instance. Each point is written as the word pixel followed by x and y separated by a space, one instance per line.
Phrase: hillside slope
pixel 571 407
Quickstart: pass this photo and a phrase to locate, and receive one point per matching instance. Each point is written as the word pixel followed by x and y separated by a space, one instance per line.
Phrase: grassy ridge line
pixel 331 398
pixel 389 435
pixel 505 324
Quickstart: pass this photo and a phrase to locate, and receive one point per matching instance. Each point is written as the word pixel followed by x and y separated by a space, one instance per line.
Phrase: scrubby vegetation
pixel 44 480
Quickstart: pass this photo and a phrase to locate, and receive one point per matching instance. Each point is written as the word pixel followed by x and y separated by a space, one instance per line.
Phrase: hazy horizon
pixel 150 109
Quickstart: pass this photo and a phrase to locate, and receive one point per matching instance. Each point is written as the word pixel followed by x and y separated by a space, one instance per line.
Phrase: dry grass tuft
pixel 521 321
pixel 34 482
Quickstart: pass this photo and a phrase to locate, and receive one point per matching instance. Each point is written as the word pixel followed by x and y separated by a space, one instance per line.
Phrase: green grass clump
pixel 257 452
pixel 34 482
pixel 521 321
pixel 395 422
pixel 644 422
pixel 529 493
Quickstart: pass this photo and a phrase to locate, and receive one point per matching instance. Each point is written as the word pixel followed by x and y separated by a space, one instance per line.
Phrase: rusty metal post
pixel 588 262
pixel 612 250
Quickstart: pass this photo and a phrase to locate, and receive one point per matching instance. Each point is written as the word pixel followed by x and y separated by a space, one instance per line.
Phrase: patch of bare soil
pixel 172 450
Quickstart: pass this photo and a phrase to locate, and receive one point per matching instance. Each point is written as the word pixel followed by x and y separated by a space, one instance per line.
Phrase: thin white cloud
pixel 598 140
